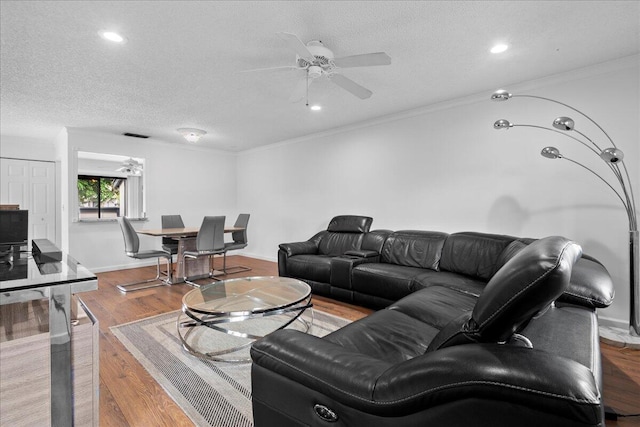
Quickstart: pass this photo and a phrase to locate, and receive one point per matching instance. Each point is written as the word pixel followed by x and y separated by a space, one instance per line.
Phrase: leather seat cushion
pixel 311 267
pixel 404 330
pixel 389 281
pixel 436 305
pixel 387 335
pixel 450 280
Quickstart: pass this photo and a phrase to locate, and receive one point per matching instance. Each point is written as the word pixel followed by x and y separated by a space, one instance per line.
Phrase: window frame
pixel 121 209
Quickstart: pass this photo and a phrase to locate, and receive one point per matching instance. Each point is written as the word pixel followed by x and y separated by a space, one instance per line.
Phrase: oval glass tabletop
pixel 246 295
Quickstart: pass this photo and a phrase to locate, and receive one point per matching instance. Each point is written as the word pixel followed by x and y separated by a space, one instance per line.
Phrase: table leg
pixel 195 268
pixel 61 377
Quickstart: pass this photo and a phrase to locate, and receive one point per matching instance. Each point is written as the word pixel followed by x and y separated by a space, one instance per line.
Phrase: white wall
pixel 189 181
pixel 18 147
pixel 445 168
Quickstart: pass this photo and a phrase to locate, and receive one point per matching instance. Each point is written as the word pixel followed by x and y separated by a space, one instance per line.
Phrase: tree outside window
pixel 100 196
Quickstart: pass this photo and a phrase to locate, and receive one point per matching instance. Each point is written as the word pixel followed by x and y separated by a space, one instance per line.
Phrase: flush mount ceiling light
pixel 316 108
pixel 112 36
pixel 191 135
pixel 499 48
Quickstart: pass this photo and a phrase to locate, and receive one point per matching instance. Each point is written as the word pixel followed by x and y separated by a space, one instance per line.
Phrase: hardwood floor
pixel 130 397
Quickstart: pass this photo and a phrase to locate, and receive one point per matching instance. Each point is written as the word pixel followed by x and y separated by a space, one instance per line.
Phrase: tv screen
pixel 14 227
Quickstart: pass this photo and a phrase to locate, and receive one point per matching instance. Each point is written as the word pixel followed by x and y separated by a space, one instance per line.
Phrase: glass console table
pixel 23 280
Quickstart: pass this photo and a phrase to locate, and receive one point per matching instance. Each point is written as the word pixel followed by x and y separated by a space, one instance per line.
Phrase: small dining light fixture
pixel 192 135
pixel 112 36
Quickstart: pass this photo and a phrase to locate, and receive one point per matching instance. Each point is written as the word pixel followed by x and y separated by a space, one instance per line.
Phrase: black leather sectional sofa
pixel 476 330
pixel 376 268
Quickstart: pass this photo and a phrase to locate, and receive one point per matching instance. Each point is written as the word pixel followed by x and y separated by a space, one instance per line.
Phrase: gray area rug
pixel 216 394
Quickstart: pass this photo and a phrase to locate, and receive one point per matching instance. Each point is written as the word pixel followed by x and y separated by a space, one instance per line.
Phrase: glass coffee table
pixel 221 320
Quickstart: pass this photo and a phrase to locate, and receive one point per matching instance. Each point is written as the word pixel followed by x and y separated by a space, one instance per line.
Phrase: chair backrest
pixel 171 221
pixel 211 234
pixel 241 236
pixel 131 240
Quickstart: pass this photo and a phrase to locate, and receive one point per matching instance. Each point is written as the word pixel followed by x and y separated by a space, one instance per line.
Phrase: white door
pixel 31 184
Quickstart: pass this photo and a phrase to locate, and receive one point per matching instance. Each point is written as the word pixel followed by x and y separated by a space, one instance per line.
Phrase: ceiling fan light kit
pixel 131 167
pixel 191 134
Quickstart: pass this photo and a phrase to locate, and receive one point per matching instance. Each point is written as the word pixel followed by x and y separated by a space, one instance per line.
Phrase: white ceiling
pixel 180 65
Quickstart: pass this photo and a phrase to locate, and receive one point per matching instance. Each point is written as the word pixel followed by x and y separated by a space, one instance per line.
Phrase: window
pixel 101 197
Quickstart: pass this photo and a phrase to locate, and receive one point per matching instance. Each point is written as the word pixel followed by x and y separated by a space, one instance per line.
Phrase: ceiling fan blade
pixel 297 46
pixel 364 60
pixel 286 67
pixel 351 86
pixel 300 90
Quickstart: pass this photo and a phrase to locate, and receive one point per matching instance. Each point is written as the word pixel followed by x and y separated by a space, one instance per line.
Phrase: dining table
pixel 195 268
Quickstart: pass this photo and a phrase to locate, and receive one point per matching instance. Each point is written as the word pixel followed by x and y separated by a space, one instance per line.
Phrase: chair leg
pixel 145 284
pixel 234 268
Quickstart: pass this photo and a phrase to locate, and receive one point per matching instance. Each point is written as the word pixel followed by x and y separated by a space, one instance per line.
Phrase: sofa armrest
pixel 362 253
pixel 539 380
pixel 319 364
pixel 522 376
pixel 590 285
pixel 299 248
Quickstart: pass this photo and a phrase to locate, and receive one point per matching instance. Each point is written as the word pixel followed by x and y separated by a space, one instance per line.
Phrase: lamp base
pixel 618 337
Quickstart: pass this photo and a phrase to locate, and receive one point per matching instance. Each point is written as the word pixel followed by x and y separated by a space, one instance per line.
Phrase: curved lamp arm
pixel 503 95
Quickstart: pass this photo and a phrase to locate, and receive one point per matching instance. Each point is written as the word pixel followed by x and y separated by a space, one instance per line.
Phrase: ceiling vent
pixel 135 135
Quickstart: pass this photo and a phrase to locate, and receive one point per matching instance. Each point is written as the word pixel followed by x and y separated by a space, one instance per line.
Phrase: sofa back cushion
pixel 350 224
pixel 526 284
pixel 414 248
pixel 374 240
pixel 473 254
pixel 336 244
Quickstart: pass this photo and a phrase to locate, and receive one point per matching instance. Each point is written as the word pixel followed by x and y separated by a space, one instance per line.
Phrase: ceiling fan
pixel 318 61
pixel 131 166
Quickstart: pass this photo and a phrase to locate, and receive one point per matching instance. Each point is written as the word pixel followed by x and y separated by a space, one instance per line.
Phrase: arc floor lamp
pixel 613 158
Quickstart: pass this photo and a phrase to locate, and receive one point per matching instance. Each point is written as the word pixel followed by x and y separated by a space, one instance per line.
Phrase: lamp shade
pixel 564 123
pixel 551 153
pixel 502 124
pixel 612 155
pixel 501 95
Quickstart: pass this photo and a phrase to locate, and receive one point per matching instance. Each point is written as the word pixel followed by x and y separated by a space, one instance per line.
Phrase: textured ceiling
pixel 180 66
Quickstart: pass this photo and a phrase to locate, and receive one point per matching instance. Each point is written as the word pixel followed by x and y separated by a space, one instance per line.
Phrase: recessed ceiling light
pixel 499 48
pixel 112 37
pixel 316 107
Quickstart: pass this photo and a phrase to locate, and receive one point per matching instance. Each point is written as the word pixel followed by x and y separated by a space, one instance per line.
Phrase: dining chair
pixel 209 242
pixel 171 221
pixel 240 241
pixel 132 249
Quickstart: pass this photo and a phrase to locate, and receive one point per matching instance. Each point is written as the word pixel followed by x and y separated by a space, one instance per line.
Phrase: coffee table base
pixel 222 338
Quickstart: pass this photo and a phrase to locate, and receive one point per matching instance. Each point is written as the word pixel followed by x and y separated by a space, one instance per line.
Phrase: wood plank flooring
pixel 130 397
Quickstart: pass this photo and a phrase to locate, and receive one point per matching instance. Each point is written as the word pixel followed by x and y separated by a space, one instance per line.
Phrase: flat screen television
pixel 14 227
